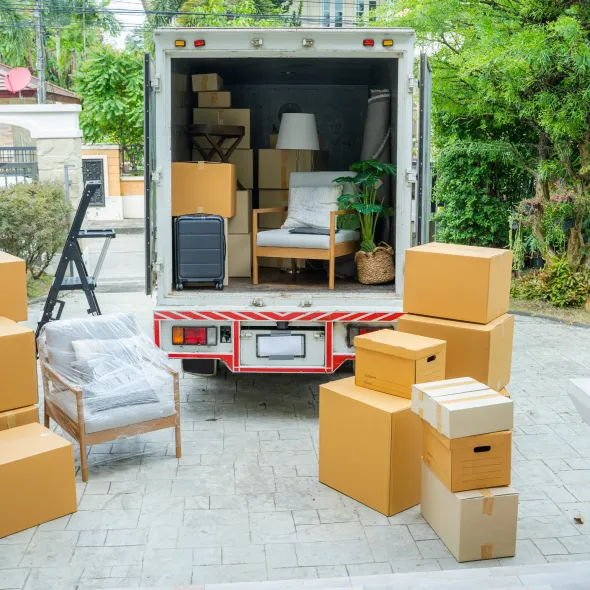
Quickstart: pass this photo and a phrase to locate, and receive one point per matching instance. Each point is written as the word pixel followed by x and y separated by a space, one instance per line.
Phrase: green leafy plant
pixel 366 203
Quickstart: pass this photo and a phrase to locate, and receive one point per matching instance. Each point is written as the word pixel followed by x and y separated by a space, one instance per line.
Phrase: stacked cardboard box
pixel 240 237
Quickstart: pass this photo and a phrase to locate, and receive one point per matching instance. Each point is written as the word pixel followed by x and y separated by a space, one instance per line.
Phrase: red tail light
pixel 200 43
pixel 369 43
pixel 195 336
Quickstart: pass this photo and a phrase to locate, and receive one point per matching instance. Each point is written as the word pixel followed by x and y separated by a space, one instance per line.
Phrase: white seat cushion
pixel 281 238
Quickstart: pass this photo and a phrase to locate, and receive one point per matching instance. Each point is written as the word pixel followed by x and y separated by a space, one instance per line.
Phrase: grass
pixel 38 287
pixel 569 315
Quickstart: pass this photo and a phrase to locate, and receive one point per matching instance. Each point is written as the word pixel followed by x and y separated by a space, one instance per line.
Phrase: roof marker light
pixel 387 42
pixel 369 43
pixel 180 43
pixel 200 43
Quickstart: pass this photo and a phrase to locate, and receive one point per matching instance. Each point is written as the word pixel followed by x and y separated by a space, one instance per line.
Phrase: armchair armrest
pixel 53 376
pixel 333 215
pixel 270 210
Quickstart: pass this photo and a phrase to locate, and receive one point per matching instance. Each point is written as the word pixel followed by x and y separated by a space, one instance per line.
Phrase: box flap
pixel 399 344
pixel 28 440
pixel 491 439
pixel 10 328
pixel 5 257
pixel 459 250
pixel 419 319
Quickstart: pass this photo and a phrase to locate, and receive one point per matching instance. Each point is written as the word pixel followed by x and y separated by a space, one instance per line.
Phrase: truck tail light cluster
pixel 194 336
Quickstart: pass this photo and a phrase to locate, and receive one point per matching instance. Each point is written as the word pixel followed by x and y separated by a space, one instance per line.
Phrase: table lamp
pixel 298 132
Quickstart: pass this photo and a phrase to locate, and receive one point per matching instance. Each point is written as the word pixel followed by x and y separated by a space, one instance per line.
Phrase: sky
pixel 127 20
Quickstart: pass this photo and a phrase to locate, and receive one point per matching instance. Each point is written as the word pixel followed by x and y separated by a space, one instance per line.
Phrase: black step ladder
pixel 72 256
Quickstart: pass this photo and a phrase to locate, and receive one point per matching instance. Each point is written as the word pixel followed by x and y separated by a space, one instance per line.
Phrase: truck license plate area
pixel 280 346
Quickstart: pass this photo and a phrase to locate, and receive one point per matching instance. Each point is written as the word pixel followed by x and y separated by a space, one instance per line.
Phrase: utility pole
pixel 38 16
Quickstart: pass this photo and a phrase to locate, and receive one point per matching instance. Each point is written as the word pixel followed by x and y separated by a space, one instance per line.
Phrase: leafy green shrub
pixel 34 222
pixel 529 286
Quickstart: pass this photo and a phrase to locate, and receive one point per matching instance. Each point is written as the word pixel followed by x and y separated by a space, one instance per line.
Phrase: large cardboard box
pixel 240 255
pixel 480 351
pixel 469 463
pixel 239 117
pixel 207 82
pixel 391 361
pixel 474 525
pixel 268 199
pixel 38 478
pixel 241 222
pixel 462 407
pixel 19 417
pixel 370 446
pixel 203 187
pixel 13 288
pixel 214 100
pixel 18 366
pixel 244 162
pixel 456 282
pixel 275 166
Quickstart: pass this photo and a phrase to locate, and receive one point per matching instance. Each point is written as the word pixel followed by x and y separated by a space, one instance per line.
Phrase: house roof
pixel 56 92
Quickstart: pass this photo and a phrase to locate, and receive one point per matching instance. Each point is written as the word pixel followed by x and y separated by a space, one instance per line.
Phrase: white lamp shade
pixel 298 132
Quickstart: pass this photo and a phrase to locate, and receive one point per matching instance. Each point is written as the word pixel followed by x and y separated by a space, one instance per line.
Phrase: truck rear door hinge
pixel 155 83
pixel 413 83
pixel 410 176
pixel 157 175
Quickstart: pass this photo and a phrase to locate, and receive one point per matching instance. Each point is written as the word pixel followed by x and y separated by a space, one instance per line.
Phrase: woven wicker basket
pixel 375 267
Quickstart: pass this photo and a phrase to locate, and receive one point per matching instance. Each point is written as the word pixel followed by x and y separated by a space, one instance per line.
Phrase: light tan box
pixel 480 351
pixel 241 222
pixel 268 199
pixel 462 407
pixel 456 282
pixel 275 166
pixel 474 525
pixel 469 463
pixel 244 162
pixel 207 82
pixel 214 100
pixel 18 366
pixel 240 117
pixel 19 417
pixel 391 361
pixel 13 290
pixel 38 478
pixel 203 187
pixel 240 258
pixel 370 446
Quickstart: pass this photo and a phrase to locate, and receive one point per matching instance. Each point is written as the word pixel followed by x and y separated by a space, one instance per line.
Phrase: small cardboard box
pixel 13 290
pixel 480 351
pixel 391 362
pixel 214 100
pixel 19 417
pixel 240 259
pixel 474 525
pixel 462 407
pixel 456 282
pixel 207 82
pixel 38 478
pixel 275 166
pixel 370 446
pixel 268 199
pixel 18 366
pixel 203 187
pixel 244 162
pixel 240 117
pixel 241 222
pixel 469 463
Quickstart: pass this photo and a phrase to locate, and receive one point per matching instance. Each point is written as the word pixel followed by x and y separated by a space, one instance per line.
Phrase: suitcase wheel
pixel 180 286
pixel 219 286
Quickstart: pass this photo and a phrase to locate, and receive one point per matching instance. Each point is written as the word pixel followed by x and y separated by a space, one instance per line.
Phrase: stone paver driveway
pixel 244 503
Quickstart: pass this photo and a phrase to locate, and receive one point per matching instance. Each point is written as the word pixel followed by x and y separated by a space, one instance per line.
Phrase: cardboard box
pixel 474 525
pixel 18 366
pixel 505 392
pixel 19 417
pixel 241 222
pixel 469 463
pixel 275 166
pixel 207 82
pixel 462 407
pixel 480 351
pixel 274 198
pixel 391 362
pixel 214 100
pixel 455 282
pixel 274 137
pixel 370 446
pixel 203 187
pixel 244 162
pixel 38 478
pixel 239 117
pixel 240 259
pixel 13 293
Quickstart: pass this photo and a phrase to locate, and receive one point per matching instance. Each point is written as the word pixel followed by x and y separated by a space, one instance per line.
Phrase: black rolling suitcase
pixel 200 250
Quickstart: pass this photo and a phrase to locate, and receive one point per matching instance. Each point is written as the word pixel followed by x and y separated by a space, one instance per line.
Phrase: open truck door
pixel 423 197
pixel 149 169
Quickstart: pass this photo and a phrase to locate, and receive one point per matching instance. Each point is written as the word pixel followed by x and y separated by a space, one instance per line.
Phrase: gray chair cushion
pixel 281 238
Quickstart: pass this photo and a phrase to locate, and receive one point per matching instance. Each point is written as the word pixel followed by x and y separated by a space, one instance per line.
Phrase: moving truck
pixel 285 324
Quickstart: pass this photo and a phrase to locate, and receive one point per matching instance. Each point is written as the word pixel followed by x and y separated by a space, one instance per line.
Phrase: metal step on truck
pixel 290 322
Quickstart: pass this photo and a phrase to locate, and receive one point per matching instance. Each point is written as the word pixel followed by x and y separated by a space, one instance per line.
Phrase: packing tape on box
pixel 284 179
pixel 420 395
pixel 204 81
pixel 213 98
pixel 488 502
pixel 487 551
pixel 200 165
pixel 439 418
pixel 11 420
pixel 421 413
pixel 467 399
pixel 446 385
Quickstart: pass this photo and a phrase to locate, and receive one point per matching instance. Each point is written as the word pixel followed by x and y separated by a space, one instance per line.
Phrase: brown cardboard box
pixel 241 222
pixel 474 525
pixel 455 282
pixel 244 162
pixel 370 446
pixel 391 362
pixel 18 366
pixel 13 290
pixel 19 417
pixel 38 478
pixel 480 351
pixel 239 117
pixel 214 100
pixel 273 141
pixel 203 187
pixel 274 198
pixel 469 463
pixel 275 166
pixel 207 82
pixel 240 259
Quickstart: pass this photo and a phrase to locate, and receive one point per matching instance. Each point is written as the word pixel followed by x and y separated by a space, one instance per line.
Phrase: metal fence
pixel 18 165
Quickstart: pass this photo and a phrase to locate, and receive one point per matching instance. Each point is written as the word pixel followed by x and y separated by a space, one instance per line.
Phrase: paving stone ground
pixel 244 502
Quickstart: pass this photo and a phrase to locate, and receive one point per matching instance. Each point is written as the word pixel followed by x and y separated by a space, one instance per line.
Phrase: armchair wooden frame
pixel 334 251
pixel 77 428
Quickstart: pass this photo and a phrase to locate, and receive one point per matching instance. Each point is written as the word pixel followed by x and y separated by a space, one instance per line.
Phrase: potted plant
pixel 374 261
